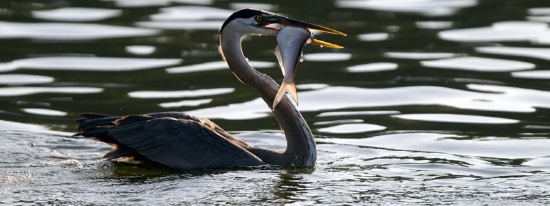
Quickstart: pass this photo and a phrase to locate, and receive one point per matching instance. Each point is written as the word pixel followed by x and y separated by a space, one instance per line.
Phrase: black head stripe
pixel 243 13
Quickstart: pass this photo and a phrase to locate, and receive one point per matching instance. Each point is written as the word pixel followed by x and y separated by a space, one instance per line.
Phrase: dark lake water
pixel 430 102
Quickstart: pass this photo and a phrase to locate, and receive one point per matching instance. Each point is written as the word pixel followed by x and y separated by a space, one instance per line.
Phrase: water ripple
pixel 179 94
pixel 340 121
pixel 327 57
pixel 190 13
pixel 516 96
pixel 15 79
pixel 87 63
pixel 374 37
pixel 540 74
pixel 449 144
pixel 10 126
pixel 20 91
pixel 79 14
pixel 434 24
pixel 218 65
pixel 185 103
pixel 192 25
pixel 492 98
pixel 539 11
pixel 410 136
pixel 539 53
pixel 345 113
pixel 45 112
pixel 479 64
pixel 500 31
pixel 351 128
pixel 262 6
pixel 69 31
pixel 419 55
pixel 456 118
pixel 423 7
pixel 140 49
pixel 372 67
pixel 148 3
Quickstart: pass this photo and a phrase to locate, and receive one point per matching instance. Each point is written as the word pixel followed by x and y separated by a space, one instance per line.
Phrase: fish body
pixel 290 42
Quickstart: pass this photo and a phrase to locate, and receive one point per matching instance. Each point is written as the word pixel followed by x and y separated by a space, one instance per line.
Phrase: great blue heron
pixel 182 141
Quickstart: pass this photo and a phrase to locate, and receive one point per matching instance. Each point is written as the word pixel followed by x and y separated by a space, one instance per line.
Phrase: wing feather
pixel 173 139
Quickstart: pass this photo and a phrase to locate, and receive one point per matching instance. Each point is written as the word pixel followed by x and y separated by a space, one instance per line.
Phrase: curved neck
pixel 301 150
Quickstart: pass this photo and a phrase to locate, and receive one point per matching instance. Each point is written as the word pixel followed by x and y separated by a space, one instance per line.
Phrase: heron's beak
pixel 324 43
pixel 297 23
pixel 285 21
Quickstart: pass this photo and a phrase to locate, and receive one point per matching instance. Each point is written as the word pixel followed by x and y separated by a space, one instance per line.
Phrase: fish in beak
pixel 291 40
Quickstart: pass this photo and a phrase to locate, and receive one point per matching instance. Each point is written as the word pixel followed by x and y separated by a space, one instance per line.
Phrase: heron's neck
pixel 301 150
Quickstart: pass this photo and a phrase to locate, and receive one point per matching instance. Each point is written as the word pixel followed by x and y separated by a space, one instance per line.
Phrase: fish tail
pixel 291 88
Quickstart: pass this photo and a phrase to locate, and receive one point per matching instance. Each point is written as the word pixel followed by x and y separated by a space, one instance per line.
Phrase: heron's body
pixel 183 141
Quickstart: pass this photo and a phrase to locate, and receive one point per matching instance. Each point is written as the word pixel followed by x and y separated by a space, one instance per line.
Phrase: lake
pixel 429 103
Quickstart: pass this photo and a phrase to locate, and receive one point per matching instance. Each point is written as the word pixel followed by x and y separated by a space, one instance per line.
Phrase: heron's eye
pixel 259 18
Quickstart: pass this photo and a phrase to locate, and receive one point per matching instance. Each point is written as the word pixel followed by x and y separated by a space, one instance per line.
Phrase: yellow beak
pixel 324 44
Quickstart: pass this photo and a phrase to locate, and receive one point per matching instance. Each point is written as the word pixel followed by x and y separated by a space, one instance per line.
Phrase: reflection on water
pixel 430 102
pixel 191 13
pixel 540 53
pixel 502 31
pixel 218 65
pixel 533 74
pixel 434 24
pixel 373 67
pixel 177 25
pixel 424 7
pixel 188 103
pixel 20 91
pixel 489 147
pixel 351 128
pixel 418 55
pixel 492 98
pixel 140 49
pixel 179 94
pixel 76 14
pixel 187 18
pixel 456 118
pixel 69 31
pixel 12 79
pixel 321 57
pixel 479 64
pixel 374 37
pixel 87 63
pixel 47 112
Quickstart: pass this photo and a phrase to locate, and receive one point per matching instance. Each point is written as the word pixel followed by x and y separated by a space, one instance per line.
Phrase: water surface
pixel 430 102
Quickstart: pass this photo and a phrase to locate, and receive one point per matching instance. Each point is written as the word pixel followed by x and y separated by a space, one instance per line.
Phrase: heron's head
pixel 256 22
